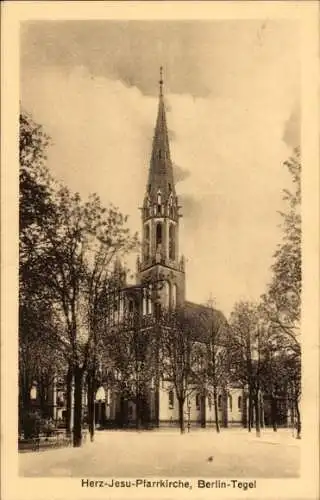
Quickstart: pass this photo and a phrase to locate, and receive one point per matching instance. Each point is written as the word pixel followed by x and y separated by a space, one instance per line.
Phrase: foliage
pixel 38 349
pixel 66 250
pixel 282 302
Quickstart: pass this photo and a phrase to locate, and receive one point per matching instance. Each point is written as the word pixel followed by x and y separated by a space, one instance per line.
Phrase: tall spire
pixel 161 171
pixel 161 82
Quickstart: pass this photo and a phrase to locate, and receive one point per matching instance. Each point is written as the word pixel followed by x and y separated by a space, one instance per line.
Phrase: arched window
pixel 198 401
pixel 157 310
pixel 149 301
pixel 230 402
pixel 146 242
pixel 159 202
pixel 171 205
pixel 239 403
pixel 171 400
pixel 165 292
pixel 159 234
pixel 172 243
pixel 219 401
pixel 173 295
pixel 101 394
pixel 130 306
pixel 144 304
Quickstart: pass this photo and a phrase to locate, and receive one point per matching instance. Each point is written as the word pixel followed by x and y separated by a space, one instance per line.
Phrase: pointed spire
pixel 161 82
pixel 161 171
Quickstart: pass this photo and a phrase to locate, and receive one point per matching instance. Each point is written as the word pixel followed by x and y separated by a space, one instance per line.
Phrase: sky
pixel 232 95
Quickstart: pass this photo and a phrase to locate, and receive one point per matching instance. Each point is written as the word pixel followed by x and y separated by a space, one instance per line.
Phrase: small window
pixel 171 400
pixel 209 402
pixel 198 401
pixel 172 250
pixel 220 402
pixel 230 402
pixel 239 403
pixel 159 234
pixel 157 308
pixel 159 203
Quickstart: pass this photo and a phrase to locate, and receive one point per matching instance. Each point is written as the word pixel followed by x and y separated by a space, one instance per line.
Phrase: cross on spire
pixel 161 80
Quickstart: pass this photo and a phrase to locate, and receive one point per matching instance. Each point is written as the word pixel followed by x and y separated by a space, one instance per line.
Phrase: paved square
pixel 165 453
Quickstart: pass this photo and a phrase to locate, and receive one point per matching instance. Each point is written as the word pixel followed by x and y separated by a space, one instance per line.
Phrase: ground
pixel 166 453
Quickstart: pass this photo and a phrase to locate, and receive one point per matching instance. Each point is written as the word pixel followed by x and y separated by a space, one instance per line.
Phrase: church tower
pixel 160 261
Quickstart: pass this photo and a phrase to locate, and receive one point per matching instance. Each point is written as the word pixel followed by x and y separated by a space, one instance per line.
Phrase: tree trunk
pixel 274 412
pixel 298 418
pixel 225 408
pixel 181 415
pixel 250 413
pixel 43 399
pixel 292 415
pixel 69 400
pixel 257 414
pixel 138 412
pixel 156 407
pixel 91 408
pixel 216 412
pixel 203 410
pixel 25 408
pixel 245 411
pixel 261 406
pixel 77 422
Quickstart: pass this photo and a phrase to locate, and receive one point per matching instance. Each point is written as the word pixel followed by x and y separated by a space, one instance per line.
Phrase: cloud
pixel 227 143
pixel 180 173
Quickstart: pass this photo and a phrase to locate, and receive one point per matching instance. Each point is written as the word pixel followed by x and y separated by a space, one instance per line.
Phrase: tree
pixel 249 340
pixel 215 336
pixel 178 335
pixel 37 325
pixel 282 301
pixel 80 247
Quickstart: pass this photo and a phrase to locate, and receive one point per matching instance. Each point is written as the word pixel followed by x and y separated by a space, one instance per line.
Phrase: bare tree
pixel 248 359
pixel 214 332
pixel 178 335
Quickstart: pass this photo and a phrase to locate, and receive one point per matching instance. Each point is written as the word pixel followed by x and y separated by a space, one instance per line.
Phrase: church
pixel 130 389
pixel 160 261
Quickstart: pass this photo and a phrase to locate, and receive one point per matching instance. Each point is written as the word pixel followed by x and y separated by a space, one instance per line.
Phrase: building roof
pixel 206 321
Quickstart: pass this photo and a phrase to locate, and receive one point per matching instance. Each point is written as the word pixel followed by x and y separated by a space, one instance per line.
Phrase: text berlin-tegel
pixel 232 483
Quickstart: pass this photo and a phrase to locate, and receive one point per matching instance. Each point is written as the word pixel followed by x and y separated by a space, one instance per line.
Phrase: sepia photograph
pixel 160 330
pixel 178 143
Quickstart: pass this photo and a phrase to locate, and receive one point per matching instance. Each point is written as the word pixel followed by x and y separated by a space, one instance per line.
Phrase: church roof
pixel 161 170
pixel 206 320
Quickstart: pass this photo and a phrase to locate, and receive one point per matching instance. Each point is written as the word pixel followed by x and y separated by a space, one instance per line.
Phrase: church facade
pixel 161 261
